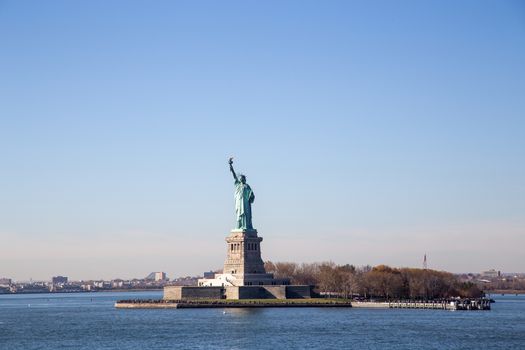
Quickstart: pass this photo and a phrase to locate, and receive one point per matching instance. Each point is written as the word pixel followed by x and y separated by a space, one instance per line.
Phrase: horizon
pixel 503 273
pixel 480 273
pixel 369 133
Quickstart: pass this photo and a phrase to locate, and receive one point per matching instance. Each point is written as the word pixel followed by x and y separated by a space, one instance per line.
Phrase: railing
pixel 445 304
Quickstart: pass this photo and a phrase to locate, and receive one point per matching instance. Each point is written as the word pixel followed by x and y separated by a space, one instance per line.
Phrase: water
pixel 89 321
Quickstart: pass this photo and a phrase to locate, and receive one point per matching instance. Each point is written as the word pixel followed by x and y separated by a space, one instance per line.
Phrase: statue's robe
pixel 244 198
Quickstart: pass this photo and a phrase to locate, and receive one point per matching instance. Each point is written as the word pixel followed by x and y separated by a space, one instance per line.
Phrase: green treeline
pixel 375 282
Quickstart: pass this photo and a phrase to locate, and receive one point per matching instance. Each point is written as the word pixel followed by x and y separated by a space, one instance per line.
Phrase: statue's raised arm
pixel 231 169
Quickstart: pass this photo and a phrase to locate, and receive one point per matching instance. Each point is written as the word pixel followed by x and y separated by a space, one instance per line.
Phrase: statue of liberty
pixel 244 198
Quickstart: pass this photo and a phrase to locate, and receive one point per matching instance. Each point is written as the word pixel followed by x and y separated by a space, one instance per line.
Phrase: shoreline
pixel 453 304
pixel 229 303
pixel 505 292
pixel 89 291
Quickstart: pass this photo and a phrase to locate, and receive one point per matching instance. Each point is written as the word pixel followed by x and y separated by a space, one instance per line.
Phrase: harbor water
pixel 90 321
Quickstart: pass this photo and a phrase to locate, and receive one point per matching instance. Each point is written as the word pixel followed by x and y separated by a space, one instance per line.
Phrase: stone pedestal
pixel 243 254
pixel 243 265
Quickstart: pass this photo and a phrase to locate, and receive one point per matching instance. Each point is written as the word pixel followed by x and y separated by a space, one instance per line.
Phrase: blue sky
pixel 370 132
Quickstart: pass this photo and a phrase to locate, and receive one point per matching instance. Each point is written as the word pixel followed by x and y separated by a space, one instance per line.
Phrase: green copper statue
pixel 244 198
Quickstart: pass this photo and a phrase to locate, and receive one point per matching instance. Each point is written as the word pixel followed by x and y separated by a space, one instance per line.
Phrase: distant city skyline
pixel 393 129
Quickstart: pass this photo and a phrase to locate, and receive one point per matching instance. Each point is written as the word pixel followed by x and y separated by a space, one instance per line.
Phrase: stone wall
pixel 275 292
pixel 298 292
pixel 252 292
pixel 186 292
pixel 232 292
pixel 237 292
pixel 255 292
pixel 261 292
pixel 268 292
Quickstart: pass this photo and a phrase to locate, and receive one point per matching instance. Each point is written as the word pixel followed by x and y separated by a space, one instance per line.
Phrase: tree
pixel 347 276
pixel 329 279
pixel 381 281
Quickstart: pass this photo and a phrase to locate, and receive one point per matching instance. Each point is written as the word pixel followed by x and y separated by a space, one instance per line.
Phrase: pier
pixel 445 304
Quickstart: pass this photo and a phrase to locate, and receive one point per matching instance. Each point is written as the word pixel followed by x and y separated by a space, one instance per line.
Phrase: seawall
pixel 244 303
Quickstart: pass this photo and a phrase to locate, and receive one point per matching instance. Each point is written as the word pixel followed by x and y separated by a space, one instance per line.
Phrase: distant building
pixel 157 276
pixel 102 284
pixel 210 274
pixel 59 280
pixel 5 282
pixel 491 273
pixel 160 276
pixel 117 284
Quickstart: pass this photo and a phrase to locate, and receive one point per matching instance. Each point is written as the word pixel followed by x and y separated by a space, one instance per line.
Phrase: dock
pixel 445 304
